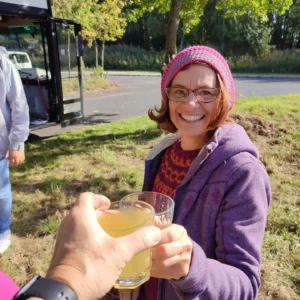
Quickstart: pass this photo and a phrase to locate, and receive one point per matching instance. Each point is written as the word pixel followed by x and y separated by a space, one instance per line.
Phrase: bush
pixel 276 61
pixel 98 72
pixel 125 57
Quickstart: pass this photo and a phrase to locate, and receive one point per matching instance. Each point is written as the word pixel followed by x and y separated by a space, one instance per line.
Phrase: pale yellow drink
pixel 124 221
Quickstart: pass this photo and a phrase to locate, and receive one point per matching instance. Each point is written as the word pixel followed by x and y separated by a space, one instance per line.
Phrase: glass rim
pixel 172 202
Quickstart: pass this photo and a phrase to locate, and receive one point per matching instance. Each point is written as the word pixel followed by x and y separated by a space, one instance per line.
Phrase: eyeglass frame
pixel 193 91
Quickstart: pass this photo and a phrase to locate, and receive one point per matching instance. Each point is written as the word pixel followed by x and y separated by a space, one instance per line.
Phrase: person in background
pixel 14 130
pixel 86 261
pixel 221 189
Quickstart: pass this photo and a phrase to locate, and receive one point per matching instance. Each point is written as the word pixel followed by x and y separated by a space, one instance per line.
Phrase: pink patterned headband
pixel 203 54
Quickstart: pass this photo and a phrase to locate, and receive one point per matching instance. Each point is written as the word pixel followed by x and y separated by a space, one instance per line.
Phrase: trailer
pixel 52 49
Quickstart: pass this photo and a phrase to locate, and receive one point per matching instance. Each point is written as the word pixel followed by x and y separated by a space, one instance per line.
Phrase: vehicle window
pixel 19 58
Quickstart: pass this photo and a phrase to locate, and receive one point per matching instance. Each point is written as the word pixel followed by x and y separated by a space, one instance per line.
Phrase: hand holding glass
pixel 123 218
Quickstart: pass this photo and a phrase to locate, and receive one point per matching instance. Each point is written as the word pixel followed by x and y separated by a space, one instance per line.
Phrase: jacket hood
pixel 228 140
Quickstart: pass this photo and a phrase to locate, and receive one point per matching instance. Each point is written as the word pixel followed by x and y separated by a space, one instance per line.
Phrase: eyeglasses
pixel 205 95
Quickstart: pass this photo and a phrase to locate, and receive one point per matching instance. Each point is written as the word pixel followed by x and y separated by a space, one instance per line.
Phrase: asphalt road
pixel 137 94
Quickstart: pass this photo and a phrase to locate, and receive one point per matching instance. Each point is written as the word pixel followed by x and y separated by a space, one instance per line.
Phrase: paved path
pixel 139 92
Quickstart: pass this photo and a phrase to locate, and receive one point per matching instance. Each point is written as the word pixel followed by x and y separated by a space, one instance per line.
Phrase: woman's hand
pixel 171 258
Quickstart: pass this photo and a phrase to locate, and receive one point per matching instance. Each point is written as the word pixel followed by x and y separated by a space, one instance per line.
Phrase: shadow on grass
pixel 55 196
pixel 98 118
pixel 46 152
pixel 51 206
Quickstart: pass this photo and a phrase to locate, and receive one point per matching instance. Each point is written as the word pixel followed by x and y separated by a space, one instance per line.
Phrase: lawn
pixel 109 159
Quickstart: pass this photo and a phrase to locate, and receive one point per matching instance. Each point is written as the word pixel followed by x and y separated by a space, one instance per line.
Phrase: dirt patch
pixel 255 125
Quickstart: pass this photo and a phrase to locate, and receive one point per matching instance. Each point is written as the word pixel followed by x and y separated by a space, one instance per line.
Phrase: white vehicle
pixel 20 59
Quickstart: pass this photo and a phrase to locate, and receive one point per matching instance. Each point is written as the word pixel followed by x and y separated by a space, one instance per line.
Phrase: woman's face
pixel 191 118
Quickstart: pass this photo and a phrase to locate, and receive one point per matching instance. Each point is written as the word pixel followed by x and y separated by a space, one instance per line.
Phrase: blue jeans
pixel 5 196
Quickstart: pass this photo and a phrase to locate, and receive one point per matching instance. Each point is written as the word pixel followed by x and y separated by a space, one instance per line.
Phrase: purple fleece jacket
pixel 223 204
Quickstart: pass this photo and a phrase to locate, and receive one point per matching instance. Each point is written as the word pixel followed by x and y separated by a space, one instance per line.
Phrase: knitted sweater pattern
pixel 173 168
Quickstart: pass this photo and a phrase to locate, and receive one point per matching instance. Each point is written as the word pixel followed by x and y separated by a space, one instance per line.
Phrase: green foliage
pixel 254 8
pixel 287 27
pixel 190 13
pixel 278 61
pixel 258 36
pixel 97 72
pixel 108 22
pixel 74 10
pixel 103 20
pixel 124 57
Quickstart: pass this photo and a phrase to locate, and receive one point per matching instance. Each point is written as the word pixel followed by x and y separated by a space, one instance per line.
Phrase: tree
pixel 103 21
pixel 148 32
pixel 287 28
pixel 190 11
pixel 74 10
pixel 108 24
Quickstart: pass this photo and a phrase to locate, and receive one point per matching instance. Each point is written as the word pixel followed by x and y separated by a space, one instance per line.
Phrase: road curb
pixel 132 74
pixel 273 76
pixel 251 76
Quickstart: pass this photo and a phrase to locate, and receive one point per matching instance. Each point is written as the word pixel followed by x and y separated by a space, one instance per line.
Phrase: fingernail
pixel 156 233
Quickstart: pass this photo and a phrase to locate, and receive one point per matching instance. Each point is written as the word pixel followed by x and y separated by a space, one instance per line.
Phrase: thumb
pixel 140 240
pixel 92 201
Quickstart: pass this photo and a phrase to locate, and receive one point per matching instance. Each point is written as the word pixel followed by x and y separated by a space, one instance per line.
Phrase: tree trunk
pixel 181 41
pixel 171 36
pixel 102 57
pixel 96 55
pixel 221 35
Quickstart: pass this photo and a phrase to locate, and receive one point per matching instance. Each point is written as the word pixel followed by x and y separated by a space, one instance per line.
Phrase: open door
pixel 66 44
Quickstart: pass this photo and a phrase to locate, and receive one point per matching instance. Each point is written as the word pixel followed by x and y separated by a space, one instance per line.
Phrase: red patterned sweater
pixel 173 168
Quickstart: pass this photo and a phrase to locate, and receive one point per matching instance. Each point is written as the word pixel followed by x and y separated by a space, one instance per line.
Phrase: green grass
pixel 90 83
pixel 109 159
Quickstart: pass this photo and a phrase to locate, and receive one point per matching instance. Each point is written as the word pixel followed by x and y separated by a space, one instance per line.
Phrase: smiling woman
pixel 196 112
pixel 210 167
